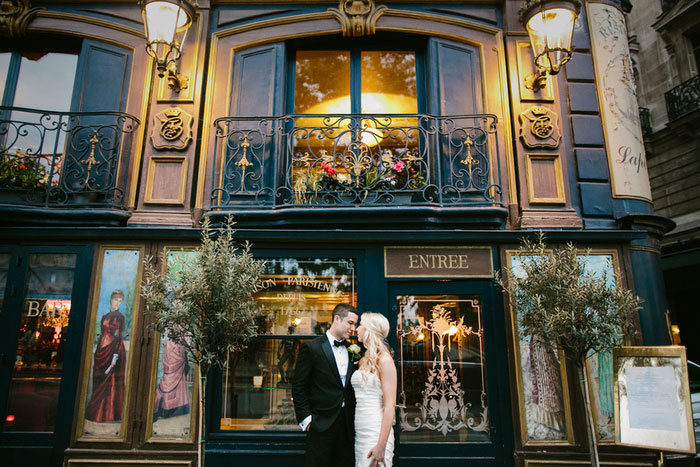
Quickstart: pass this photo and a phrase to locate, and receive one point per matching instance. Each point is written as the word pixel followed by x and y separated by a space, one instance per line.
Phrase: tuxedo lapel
pixel 328 352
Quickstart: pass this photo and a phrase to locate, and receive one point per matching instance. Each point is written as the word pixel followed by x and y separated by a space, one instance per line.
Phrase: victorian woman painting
pixel 109 366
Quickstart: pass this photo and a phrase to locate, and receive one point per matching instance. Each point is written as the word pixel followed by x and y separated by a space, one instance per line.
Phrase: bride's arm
pixel 387 374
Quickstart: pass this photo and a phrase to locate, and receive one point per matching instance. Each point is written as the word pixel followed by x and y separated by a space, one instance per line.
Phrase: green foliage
pixel 568 308
pixel 204 301
pixel 21 171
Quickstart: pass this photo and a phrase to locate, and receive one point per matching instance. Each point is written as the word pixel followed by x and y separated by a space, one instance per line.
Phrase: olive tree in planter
pixel 204 302
pixel 569 309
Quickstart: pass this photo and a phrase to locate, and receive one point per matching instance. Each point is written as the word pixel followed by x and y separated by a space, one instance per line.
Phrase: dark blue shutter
pixel 101 85
pixel 258 84
pixel 455 88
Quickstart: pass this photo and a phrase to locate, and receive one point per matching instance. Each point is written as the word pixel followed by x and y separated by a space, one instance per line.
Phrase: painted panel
pixel 543 394
pixel 623 133
pixel 108 361
pixel 172 399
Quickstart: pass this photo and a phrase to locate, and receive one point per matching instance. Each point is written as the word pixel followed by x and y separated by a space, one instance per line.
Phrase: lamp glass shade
pixel 550 32
pixel 164 20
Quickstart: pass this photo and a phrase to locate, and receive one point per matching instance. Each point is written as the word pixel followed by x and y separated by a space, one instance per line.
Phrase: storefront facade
pixel 389 155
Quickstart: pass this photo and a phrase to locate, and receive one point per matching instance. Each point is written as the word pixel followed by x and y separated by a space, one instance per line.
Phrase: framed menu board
pixel 652 398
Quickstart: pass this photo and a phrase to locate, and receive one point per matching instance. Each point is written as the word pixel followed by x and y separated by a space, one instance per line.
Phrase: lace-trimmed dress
pixel 368 417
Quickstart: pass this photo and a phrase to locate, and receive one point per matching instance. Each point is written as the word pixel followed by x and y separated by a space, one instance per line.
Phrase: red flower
pixel 330 171
pixel 22 167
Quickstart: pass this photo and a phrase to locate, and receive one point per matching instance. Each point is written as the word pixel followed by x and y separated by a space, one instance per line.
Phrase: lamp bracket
pixel 536 81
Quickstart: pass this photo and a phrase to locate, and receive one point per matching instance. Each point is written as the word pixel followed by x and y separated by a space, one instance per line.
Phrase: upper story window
pixel 38 80
pixel 357 81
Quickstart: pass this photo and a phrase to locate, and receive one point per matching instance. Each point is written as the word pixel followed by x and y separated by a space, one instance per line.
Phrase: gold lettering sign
pixel 458 261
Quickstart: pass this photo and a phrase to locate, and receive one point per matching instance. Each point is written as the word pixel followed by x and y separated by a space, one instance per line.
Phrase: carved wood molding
pixel 357 17
pixel 15 16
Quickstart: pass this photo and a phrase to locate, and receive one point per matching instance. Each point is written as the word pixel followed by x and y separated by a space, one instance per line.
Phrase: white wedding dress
pixel 368 418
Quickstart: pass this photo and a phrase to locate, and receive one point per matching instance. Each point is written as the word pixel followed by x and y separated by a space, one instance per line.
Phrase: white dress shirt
pixel 342 359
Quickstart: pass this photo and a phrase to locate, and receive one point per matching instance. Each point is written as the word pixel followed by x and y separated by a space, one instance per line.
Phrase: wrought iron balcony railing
pixel 355 160
pixel 645 121
pixel 69 159
pixel 683 98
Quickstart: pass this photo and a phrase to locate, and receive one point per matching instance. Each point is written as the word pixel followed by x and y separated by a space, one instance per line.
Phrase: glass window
pixel 342 154
pixel 442 385
pixel 297 297
pixel 45 81
pixel 41 339
pixel 4 69
pixel 4 269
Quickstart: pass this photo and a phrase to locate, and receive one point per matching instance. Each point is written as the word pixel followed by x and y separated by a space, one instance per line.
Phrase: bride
pixel 375 392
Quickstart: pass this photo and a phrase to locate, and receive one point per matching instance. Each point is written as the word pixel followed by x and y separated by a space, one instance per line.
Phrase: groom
pixel 323 397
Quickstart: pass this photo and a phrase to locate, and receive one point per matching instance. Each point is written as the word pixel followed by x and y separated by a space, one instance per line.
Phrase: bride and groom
pixel 345 406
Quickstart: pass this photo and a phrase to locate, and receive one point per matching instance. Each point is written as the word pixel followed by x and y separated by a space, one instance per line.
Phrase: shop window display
pixel 38 366
pixel 297 297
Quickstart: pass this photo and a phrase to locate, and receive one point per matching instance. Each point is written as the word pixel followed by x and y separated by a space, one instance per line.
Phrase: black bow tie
pixel 338 343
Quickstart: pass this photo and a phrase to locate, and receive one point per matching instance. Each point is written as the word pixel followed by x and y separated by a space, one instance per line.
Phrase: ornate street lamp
pixel 166 23
pixel 550 25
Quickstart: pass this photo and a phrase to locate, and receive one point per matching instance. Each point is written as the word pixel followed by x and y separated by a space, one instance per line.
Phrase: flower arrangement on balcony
pixel 21 171
pixel 357 178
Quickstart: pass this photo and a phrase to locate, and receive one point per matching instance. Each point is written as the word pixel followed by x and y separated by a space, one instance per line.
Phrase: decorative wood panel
pixel 167 179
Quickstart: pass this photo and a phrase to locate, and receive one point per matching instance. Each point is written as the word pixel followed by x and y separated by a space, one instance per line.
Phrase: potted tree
pixel 567 308
pixel 204 302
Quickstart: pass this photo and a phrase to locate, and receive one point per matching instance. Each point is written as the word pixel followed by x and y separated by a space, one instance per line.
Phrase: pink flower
pixel 399 166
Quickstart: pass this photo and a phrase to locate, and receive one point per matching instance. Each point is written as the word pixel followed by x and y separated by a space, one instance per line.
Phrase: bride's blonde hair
pixel 376 331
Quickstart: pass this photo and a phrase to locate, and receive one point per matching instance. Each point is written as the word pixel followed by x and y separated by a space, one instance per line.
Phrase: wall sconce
pixel 166 23
pixel 550 25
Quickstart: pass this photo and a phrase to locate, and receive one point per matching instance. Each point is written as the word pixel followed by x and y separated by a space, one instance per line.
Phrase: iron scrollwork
pixel 368 160
pixel 65 158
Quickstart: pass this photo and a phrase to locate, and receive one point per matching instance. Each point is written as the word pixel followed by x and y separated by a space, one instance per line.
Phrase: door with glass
pixel 43 293
pixel 452 401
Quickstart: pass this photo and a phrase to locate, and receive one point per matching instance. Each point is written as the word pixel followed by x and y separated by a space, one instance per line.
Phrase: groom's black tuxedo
pixel 318 391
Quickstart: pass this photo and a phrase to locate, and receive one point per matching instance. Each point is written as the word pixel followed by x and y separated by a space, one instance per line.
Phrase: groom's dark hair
pixel 342 309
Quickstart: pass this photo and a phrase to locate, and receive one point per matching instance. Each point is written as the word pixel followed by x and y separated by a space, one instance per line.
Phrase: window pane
pixel 297 297
pixel 45 83
pixel 36 378
pixel 322 82
pixel 389 83
pixel 442 386
pixel 4 67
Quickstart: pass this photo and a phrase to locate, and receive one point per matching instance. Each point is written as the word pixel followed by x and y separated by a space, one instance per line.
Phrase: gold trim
pixel 566 463
pixel 151 175
pixel 189 93
pixel 418 276
pixel 92 20
pixel 357 18
pixel 505 124
pixel 670 351
pixel 647 249
pixel 88 355
pixel 194 403
pixel 561 197
pixel 547 91
pixel 141 137
pixel 126 461
pixel 526 442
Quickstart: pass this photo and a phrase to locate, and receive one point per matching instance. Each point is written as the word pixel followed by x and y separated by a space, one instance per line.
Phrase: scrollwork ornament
pixel 15 16
pixel 357 17
pixel 539 128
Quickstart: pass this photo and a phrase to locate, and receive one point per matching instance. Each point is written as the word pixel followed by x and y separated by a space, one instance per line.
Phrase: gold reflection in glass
pixel 41 338
pixel 389 82
pixel 297 297
pixel 322 78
